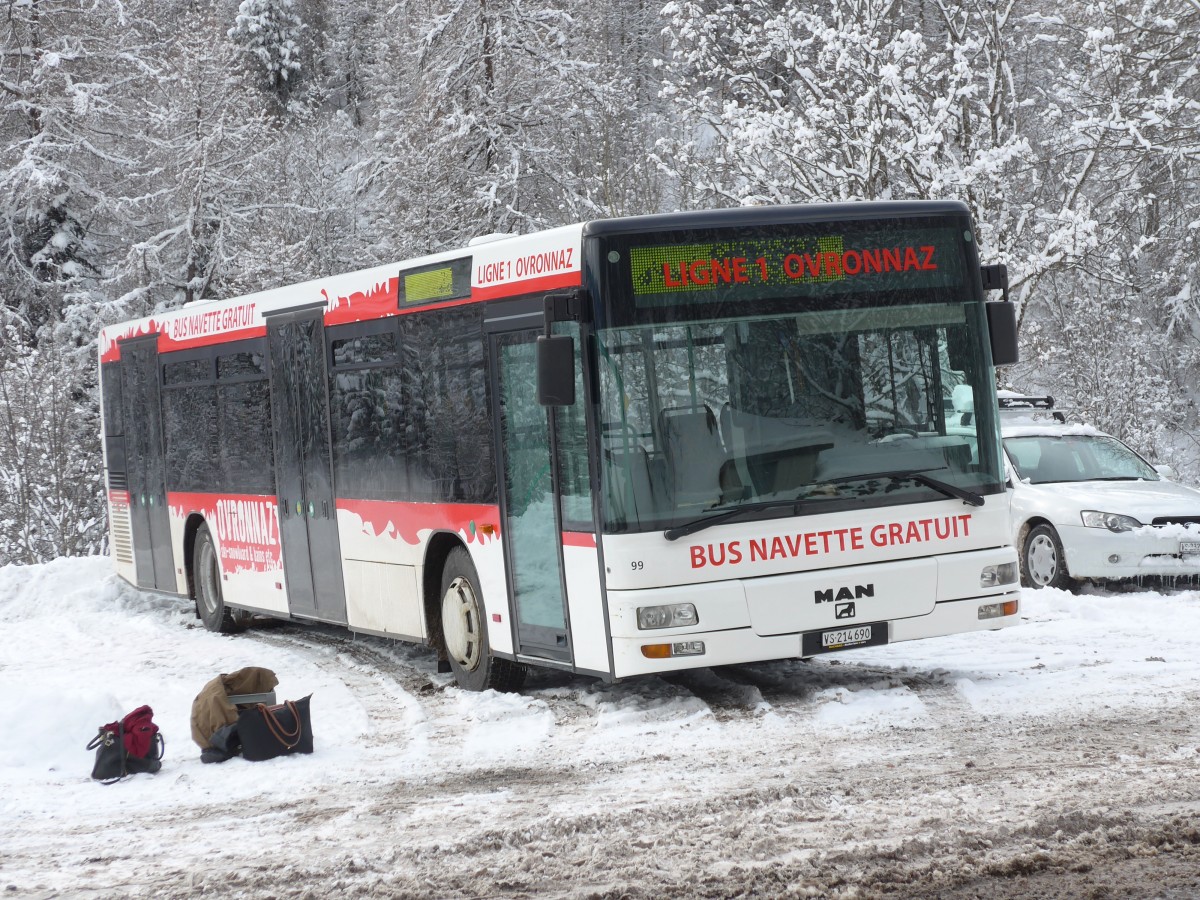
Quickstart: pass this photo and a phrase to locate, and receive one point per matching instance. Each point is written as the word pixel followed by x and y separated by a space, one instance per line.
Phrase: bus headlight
pixel 667 651
pixel 1111 521
pixel 996 610
pixel 672 615
pixel 1004 573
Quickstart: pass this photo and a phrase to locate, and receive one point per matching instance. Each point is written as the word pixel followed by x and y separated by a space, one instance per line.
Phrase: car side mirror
pixel 1166 472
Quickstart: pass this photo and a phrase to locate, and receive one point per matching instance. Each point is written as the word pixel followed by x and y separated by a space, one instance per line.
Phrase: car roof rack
pixel 1026 402
pixel 1015 403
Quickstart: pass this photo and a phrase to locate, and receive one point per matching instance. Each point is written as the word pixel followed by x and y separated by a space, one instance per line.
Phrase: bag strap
pixel 159 743
pixel 288 739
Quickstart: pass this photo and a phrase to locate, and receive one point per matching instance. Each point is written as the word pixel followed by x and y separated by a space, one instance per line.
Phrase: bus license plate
pixel 1189 547
pixel 866 635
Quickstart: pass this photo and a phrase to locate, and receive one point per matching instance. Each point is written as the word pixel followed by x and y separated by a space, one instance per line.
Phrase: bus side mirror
pixel 556 370
pixel 1001 317
pixel 1002 327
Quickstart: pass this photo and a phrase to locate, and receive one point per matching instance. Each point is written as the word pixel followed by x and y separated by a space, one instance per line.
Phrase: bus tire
pixel 464 631
pixel 1043 563
pixel 206 572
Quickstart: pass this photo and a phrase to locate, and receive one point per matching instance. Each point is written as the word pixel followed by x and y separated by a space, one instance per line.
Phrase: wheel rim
pixel 461 625
pixel 1042 560
pixel 209 579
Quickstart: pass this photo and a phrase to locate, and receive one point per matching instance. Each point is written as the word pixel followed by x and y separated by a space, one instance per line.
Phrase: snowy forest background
pixel 157 152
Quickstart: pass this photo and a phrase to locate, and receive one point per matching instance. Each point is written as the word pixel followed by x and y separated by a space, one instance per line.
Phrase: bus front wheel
pixel 464 631
pixel 206 570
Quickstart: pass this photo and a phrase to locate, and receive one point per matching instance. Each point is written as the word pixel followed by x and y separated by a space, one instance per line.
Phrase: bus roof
pixel 503 267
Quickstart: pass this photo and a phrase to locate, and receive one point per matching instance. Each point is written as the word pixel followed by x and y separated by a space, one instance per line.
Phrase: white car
pixel 1087 507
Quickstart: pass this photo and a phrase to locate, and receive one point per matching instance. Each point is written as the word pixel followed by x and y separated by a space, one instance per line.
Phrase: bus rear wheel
pixel 206 572
pixel 464 631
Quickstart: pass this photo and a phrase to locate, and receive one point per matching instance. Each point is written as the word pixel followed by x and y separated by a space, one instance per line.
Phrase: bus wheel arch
pixel 190 529
pixel 457 615
pixel 205 580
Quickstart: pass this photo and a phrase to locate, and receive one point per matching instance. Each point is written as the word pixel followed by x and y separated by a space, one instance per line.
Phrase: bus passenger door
pixel 150 520
pixel 312 560
pixel 532 534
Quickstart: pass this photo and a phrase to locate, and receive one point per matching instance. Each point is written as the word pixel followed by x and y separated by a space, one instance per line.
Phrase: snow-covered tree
pixel 50 480
pixel 204 178
pixel 269 31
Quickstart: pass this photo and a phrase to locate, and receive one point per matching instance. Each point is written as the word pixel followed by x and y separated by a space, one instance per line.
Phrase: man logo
pixel 844 611
pixel 844 593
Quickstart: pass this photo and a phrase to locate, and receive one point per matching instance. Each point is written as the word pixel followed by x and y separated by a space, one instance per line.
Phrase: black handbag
pixel 114 760
pixel 270 731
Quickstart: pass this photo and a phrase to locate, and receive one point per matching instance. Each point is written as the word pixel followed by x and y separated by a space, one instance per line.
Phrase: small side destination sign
pixel 435 283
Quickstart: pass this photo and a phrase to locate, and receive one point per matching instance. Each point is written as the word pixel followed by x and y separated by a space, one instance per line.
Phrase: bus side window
pixel 192 441
pixel 570 433
pixel 448 432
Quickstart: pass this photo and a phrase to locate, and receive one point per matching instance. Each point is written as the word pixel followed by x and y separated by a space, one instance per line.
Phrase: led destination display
pixel 808 265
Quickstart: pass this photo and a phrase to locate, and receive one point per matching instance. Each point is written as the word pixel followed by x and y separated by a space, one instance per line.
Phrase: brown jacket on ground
pixel 212 710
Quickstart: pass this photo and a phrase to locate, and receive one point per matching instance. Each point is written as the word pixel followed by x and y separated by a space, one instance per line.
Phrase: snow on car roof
pixel 1026 428
pixel 1026 416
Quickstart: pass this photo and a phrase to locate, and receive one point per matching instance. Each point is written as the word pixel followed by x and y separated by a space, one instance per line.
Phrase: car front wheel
pixel 1043 563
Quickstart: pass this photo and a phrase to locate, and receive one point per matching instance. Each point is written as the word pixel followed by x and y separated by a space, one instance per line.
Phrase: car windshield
pixel 1053 459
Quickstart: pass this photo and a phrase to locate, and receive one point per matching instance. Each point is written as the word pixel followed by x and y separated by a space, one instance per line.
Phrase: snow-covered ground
pixel 1058 758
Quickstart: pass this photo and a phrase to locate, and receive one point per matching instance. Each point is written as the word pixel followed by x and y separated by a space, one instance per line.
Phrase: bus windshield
pixel 783 395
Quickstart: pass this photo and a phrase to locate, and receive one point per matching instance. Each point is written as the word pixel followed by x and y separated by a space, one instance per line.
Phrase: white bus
pixel 622 447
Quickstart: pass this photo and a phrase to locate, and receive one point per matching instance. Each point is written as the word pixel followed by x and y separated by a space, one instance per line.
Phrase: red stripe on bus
pixel 579 539
pixel 528 286
pixel 246 527
pixel 447 304
pixel 376 303
pixel 406 521
pixel 166 345
pixel 113 352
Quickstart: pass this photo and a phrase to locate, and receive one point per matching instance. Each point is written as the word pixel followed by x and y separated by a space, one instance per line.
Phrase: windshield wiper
pixel 703 522
pixel 919 476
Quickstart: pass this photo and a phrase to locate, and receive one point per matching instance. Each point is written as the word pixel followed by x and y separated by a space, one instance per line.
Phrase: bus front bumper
pixel 674 649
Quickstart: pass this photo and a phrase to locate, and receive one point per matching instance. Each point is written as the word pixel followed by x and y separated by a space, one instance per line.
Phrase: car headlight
pixel 1111 521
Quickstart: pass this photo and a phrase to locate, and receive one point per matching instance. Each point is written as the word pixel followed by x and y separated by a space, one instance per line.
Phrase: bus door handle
pixel 325 508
